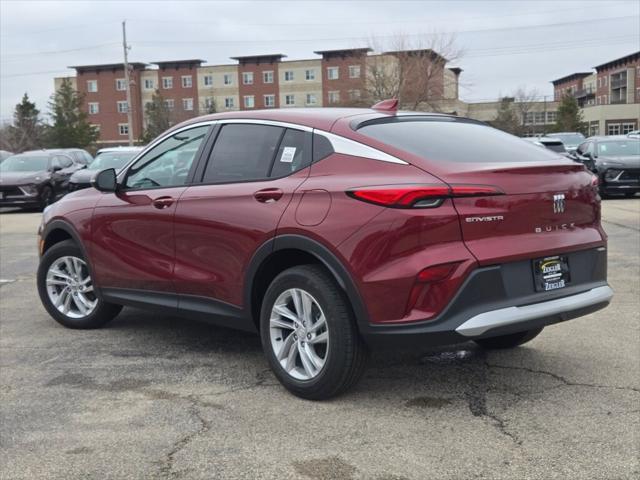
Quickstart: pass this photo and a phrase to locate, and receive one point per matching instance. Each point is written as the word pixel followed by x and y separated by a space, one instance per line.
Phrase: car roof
pixel 319 118
pixel 612 137
pixel 49 152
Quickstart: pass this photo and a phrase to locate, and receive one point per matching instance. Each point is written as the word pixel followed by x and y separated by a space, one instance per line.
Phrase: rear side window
pixel 243 152
pixel 292 155
pixel 455 141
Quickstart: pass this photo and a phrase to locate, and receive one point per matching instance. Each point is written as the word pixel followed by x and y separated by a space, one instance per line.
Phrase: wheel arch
pixel 286 251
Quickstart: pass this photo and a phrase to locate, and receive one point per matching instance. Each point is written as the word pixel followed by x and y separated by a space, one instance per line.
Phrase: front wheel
pixel 508 341
pixel 47 197
pixel 66 289
pixel 309 334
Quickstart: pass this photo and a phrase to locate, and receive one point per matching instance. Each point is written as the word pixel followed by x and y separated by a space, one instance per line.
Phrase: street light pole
pixel 128 82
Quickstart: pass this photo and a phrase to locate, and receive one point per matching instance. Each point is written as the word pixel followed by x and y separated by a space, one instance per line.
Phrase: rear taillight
pixel 418 196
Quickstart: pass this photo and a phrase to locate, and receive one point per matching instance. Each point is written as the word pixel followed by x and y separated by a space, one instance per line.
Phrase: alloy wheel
pixel 70 288
pixel 299 334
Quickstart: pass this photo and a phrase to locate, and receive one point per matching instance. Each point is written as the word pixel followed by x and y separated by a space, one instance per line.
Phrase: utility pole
pixel 544 124
pixel 127 81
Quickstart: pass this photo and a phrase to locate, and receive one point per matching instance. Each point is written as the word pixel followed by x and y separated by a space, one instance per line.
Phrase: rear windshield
pixel 455 141
pixel 569 138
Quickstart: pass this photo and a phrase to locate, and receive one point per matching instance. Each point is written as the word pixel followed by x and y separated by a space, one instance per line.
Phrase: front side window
pixel 61 161
pixel 242 153
pixel 168 163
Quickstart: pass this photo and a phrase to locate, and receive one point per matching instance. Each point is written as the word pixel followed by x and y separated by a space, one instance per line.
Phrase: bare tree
pixel 413 70
pixel 525 102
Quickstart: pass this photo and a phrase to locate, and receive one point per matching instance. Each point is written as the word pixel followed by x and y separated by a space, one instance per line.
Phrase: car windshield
pixel 569 139
pixel 25 163
pixel 115 160
pixel 619 148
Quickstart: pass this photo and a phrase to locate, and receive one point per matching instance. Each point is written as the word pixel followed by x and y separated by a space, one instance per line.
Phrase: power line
pixel 56 52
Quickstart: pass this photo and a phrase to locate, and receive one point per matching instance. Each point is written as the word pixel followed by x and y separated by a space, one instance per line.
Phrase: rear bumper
pixel 501 299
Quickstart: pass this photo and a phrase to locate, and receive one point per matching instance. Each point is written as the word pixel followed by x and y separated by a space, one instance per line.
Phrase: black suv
pixel 36 178
pixel 616 161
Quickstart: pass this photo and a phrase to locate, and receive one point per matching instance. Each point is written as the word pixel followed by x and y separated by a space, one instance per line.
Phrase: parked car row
pixel 37 178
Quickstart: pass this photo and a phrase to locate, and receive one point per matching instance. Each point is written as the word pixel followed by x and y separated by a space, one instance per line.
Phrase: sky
pixel 504 45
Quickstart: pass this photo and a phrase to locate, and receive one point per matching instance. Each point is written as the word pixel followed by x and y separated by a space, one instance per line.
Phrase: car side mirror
pixel 56 168
pixel 105 180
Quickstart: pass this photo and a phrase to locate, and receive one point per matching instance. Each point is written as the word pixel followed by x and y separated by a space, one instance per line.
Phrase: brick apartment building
pixel 189 88
pixel 609 97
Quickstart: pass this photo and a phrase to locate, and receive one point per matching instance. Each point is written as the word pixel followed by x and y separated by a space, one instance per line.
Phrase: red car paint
pixel 203 238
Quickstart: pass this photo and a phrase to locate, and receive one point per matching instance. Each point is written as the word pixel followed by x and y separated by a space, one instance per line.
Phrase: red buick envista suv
pixel 331 232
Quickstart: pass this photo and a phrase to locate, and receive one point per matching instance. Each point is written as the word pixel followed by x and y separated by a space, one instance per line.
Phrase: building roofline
pixel 571 76
pixel 109 66
pixel 179 63
pixel 266 58
pixel 617 61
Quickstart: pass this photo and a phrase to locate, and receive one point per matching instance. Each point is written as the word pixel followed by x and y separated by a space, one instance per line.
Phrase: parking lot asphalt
pixel 154 396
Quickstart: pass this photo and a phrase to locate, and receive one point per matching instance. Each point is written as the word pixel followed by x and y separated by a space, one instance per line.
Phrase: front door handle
pixel 268 195
pixel 163 202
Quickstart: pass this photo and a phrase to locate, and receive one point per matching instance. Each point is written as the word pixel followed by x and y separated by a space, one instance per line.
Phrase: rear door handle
pixel 163 202
pixel 268 195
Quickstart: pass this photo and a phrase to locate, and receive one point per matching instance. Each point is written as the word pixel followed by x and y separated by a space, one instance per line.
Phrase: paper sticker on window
pixel 287 154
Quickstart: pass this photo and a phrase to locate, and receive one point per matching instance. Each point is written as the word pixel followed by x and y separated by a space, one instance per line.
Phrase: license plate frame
pixel 551 273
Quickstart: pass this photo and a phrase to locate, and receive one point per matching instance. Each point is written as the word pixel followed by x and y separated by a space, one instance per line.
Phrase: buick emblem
pixel 558 203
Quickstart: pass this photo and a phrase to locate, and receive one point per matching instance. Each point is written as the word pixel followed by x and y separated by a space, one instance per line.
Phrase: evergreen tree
pixel 27 131
pixel 506 118
pixel 158 117
pixel 70 128
pixel 569 117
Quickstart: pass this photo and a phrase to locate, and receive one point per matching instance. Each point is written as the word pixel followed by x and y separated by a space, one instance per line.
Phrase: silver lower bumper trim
pixel 507 316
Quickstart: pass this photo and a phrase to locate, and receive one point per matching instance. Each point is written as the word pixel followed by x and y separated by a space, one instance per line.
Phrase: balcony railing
pixel 585 92
pixel 618 82
pixel 616 101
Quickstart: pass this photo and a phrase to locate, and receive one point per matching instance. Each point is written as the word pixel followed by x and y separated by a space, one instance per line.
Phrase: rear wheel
pixel 508 341
pixel 309 334
pixel 66 289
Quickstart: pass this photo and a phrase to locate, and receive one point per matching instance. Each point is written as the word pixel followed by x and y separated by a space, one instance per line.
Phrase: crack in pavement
pixel 561 378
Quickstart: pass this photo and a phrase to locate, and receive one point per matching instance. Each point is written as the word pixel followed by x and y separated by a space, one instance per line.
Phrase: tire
pixel 508 341
pixel 343 357
pixel 93 314
pixel 46 197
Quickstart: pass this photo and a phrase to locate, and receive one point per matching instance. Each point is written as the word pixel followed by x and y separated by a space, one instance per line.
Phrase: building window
pixel 209 103
pixel 311 99
pixel 149 84
pixel 552 117
pixel 121 85
pixel 628 127
pixel 94 108
pixel 187 104
pixel 354 71
pixel 187 81
pixel 594 128
pixel 354 94
pixel 604 99
pixel 288 76
pixel 92 86
pixel 249 101
pixel 269 100
pixel 310 74
pixel 170 104
pixel 334 97
pixel 227 79
pixel 123 128
pixel 289 99
pixel 167 83
pixel 333 73
pixel 208 80
pixel 267 77
pixel 247 78
pixel 122 106
pixel 613 129
pixel 229 103
pixel 605 80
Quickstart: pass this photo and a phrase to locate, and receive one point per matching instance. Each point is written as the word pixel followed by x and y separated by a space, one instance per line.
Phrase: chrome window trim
pixel 272 123
pixel 346 146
